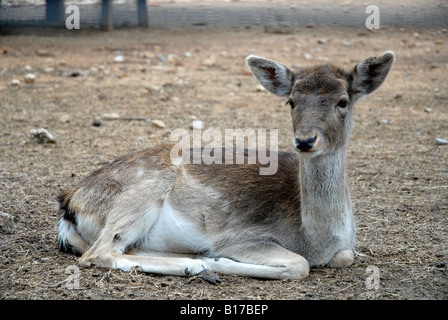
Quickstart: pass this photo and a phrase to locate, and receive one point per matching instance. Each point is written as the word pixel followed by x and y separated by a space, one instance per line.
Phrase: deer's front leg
pixel 342 259
pixel 269 261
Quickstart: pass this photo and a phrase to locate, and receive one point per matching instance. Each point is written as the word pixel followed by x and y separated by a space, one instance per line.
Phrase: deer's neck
pixel 325 197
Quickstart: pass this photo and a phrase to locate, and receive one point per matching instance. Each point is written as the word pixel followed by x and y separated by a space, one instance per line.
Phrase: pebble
pixel 307 56
pixel 6 222
pixel 118 58
pixel 30 78
pixel 197 125
pixel 279 29
pixel 210 62
pixel 15 82
pixel 161 57
pixel 64 118
pixel 97 121
pixel 42 136
pixel 383 121
pixel 75 73
pixel 28 68
pixel 110 116
pixel 322 40
pixel 158 123
pixel 441 142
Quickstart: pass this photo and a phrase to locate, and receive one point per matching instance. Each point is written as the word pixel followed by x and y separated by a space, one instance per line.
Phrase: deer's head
pixel 321 98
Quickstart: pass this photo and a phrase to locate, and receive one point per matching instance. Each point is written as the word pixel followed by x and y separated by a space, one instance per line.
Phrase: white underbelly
pixel 172 233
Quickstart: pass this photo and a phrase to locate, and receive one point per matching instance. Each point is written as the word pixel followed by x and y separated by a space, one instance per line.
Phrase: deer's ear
pixel 370 74
pixel 273 76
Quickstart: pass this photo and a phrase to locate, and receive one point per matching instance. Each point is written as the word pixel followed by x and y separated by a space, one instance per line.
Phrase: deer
pixel 148 212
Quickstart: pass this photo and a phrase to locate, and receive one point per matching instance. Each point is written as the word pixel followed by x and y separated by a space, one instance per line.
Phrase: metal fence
pixel 109 14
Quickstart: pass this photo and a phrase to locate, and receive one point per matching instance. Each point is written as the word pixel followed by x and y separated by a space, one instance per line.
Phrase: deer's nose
pixel 305 144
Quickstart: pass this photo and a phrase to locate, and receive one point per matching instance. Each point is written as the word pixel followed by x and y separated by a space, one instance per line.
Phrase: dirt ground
pixel 397 173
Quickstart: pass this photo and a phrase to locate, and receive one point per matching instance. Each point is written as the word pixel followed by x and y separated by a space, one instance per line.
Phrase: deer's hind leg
pixel 121 236
pixel 110 254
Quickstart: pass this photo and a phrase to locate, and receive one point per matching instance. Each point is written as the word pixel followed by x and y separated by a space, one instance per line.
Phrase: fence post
pixel 54 11
pixel 107 21
pixel 142 13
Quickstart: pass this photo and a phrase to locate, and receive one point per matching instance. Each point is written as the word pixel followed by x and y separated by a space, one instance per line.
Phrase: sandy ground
pixel 397 173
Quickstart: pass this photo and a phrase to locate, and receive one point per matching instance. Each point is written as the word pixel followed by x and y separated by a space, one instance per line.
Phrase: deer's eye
pixel 291 103
pixel 343 103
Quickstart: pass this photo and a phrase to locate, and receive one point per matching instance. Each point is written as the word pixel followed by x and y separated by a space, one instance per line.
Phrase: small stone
pixel 346 43
pixel 6 222
pixel 307 56
pixel 161 57
pixel 441 142
pixel 158 124
pixel 118 58
pixel 383 121
pixel 428 110
pixel 30 78
pixel 42 136
pixel 322 40
pixel 172 58
pixel 75 73
pixel 398 96
pixel 310 25
pixel 28 68
pixel 259 88
pixel 64 118
pixel 44 53
pixel 110 116
pixel 210 62
pixel 148 55
pixel 197 125
pixel 97 121
pixel 15 82
pixel 279 29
